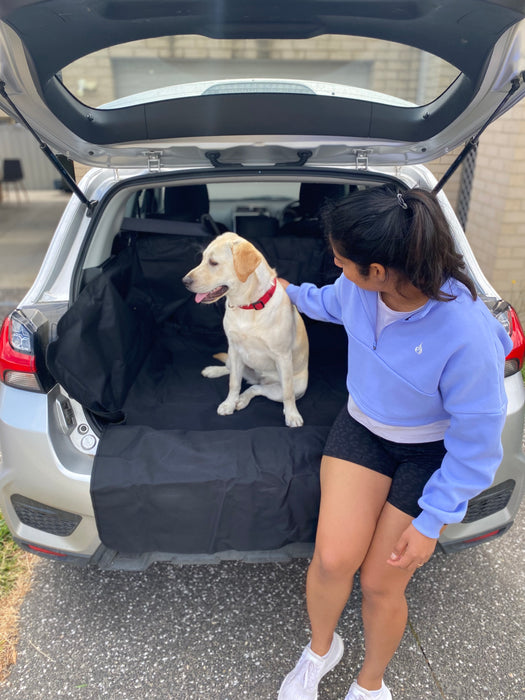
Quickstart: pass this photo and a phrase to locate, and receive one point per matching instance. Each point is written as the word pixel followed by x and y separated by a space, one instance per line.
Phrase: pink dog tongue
pixel 199 297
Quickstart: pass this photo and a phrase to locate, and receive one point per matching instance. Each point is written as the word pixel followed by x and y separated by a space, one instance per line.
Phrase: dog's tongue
pixel 199 297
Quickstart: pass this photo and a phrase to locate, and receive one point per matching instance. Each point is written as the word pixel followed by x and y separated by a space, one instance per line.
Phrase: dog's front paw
pixel 293 419
pixel 214 371
pixel 243 400
pixel 226 408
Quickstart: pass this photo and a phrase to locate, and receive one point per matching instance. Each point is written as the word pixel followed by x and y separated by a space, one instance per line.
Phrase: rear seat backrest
pixel 185 203
pixel 254 227
pixel 167 250
pixel 312 196
pixel 188 203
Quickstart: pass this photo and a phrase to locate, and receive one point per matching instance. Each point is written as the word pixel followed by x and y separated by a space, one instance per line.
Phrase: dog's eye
pixel 213 263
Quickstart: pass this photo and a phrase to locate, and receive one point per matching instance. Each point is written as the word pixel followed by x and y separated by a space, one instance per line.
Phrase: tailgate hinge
pixel 153 161
pixel 361 159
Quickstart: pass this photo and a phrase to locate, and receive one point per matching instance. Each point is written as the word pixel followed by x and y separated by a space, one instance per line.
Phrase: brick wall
pixel 496 223
pixel 395 68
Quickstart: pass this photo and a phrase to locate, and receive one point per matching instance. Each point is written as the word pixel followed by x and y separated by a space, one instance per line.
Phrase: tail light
pixel 17 353
pixel 514 360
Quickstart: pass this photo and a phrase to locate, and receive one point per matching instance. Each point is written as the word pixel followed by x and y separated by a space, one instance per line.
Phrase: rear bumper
pixel 44 480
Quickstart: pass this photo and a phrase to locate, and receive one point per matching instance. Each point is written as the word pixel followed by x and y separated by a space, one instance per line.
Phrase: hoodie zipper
pixel 398 320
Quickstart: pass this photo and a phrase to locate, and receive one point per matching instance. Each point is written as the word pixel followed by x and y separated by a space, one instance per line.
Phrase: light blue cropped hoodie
pixel 444 361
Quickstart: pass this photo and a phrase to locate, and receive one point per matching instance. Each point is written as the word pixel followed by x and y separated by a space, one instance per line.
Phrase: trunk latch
pixel 153 161
pixel 361 159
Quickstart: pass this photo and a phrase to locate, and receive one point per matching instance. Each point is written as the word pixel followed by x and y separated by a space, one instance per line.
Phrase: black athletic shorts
pixel 409 466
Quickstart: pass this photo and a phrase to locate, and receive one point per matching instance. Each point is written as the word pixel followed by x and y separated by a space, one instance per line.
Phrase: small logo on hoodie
pixel 419 348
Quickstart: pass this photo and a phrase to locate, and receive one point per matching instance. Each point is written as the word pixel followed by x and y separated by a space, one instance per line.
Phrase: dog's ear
pixel 246 257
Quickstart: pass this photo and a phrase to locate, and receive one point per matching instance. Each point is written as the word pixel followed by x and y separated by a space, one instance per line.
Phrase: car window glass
pixel 179 66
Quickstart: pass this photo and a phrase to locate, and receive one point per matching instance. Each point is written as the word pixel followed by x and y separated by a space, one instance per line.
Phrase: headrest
pixel 186 203
pixel 312 195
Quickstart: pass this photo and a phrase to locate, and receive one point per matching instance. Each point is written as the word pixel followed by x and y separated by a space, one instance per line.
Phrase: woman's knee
pixel 331 563
pixel 376 586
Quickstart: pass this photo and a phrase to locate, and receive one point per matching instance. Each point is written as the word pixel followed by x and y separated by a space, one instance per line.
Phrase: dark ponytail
pixel 404 231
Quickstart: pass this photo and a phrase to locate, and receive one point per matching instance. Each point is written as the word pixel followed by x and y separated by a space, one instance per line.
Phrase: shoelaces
pixel 311 674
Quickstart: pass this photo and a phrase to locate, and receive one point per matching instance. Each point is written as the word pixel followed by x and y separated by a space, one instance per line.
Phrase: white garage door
pixel 132 75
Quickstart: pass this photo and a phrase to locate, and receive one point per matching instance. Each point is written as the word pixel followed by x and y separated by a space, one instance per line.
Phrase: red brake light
pixel 45 551
pixel 514 359
pixel 17 367
pixel 486 536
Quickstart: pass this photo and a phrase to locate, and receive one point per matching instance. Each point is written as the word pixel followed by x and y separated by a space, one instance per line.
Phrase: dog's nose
pixel 187 281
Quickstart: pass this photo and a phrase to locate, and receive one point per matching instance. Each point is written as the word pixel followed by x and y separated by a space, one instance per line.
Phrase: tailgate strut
pixel 90 205
pixel 473 142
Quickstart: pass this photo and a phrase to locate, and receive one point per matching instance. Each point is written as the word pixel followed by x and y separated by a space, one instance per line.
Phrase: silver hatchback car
pixel 193 122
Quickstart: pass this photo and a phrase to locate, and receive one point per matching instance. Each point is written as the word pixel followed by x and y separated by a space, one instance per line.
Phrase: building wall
pixel 16 142
pixel 396 69
pixel 496 223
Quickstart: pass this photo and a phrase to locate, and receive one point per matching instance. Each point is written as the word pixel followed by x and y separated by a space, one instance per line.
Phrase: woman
pixel 421 433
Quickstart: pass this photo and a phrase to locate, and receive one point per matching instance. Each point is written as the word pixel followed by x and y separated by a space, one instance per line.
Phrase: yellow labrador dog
pixel 267 341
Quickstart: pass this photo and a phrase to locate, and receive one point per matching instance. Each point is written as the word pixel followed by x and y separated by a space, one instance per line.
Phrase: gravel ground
pixel 232 631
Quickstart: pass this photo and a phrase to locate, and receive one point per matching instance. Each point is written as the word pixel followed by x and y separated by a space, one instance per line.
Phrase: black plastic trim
pixel 462 32
pixel 458 545
pixel 43 517
pixel 257 114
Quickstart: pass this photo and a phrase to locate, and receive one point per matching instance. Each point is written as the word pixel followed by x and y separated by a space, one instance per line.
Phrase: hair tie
pixel 401 201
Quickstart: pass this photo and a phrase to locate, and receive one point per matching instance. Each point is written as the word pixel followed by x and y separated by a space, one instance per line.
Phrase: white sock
pixel 371 693
pixel 319 655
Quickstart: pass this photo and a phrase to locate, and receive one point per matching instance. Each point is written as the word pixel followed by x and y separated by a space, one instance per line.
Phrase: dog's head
pixel 227 262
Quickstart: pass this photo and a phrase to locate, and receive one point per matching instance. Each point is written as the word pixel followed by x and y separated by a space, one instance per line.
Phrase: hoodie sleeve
pixel 319 303
pixel 473 393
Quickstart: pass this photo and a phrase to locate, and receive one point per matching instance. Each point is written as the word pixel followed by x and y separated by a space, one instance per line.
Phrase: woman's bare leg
pixel 352 498
pixel 384 606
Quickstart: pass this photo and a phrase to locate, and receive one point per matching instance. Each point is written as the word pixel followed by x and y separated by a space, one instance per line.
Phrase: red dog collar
pixel 261 303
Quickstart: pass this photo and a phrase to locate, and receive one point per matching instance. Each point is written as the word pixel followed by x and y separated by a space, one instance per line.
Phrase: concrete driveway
pixel 26 227
pixel 234 630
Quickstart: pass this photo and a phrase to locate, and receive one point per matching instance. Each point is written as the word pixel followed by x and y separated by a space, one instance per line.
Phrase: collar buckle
pixel 261 303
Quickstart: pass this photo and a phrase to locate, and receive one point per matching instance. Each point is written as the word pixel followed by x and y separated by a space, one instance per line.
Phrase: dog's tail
pixel 222 357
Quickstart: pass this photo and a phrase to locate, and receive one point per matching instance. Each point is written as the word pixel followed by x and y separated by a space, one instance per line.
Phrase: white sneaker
pixel 358 693
pixel 302 682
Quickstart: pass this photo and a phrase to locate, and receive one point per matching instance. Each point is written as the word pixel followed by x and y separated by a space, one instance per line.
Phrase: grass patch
pixel 16 567
pixel 10 560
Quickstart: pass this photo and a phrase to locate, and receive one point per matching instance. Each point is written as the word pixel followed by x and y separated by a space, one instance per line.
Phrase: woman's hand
pixel 412 550
pixel 282 282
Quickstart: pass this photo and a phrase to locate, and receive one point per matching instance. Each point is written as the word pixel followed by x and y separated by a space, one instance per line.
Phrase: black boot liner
pixel 170 474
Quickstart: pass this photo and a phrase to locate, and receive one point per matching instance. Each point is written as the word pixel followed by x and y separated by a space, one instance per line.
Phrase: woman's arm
pixel 473 391
pixel 319 303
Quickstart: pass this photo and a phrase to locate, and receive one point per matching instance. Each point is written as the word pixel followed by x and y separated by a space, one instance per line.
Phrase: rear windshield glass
pixel 179 66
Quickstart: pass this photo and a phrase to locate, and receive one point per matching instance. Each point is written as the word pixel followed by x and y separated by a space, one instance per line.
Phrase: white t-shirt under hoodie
pixel 430 432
